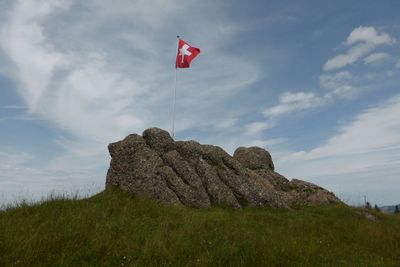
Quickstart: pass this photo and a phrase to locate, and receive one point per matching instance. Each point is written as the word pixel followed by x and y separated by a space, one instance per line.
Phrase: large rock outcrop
pixel 187 173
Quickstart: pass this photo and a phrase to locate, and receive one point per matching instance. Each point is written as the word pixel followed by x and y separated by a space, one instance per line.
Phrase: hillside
pixel 389 209
pixel 115 229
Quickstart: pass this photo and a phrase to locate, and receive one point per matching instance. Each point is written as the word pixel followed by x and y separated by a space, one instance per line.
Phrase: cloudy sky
pixel 314 82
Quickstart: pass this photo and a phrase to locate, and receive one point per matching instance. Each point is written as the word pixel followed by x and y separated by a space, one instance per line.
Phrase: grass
pixel 115 229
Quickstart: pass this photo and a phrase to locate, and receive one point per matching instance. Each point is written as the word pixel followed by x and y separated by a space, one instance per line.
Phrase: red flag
pixel 186 53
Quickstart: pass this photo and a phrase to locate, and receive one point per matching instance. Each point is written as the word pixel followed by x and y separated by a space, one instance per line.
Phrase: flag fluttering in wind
pixel 186 53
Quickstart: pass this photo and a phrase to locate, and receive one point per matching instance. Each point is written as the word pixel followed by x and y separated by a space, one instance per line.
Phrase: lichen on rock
pixel 188 173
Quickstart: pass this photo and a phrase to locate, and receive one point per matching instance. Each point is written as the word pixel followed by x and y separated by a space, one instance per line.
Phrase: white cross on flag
pixel 185 54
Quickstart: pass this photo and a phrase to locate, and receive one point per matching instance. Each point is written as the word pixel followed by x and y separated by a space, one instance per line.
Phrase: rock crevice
pixel 187 173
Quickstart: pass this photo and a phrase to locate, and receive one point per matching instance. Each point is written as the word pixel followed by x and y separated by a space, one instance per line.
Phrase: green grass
pixel 114 229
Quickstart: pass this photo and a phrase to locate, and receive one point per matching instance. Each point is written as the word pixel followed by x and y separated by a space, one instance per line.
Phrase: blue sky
pixel 314 82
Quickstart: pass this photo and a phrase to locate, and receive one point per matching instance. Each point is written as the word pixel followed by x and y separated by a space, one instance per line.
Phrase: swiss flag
pixel 186 53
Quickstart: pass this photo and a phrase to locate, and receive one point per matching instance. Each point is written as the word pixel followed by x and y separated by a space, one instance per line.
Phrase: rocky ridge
pixel 188 173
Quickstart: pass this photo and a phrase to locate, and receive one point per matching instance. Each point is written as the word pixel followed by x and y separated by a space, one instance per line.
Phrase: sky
pixel 316 83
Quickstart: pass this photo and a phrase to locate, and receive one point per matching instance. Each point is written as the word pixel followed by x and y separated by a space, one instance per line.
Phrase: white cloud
pixel 255 128
pixel 368 35
pixel 20 181
pixel 250 134
pixel 360 135
pixel 368 146
pixel 376 58
pixel 332 81
pixel 24 42
pixel 69 85
pixel 363 40
pixel 398 64
pixel 229 123
pixel 293 102
pixel 351 56
pixel 97 82
pixel 267 143
pixel 338 84
pixel 123 90
pixel 98 85
pixel 239 137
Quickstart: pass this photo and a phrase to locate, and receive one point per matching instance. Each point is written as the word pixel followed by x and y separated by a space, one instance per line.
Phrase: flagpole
pixel 174 101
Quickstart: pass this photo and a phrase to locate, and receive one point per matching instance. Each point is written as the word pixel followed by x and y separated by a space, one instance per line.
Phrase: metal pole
pixel 174 102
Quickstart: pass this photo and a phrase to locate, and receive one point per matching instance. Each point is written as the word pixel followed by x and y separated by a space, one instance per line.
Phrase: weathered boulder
pixel 188 173
pixel 135 168
pixel 254 158
pixel 159 140
pixel 307 193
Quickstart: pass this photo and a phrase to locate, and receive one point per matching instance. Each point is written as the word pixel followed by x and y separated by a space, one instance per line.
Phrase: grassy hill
pixel 114 229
